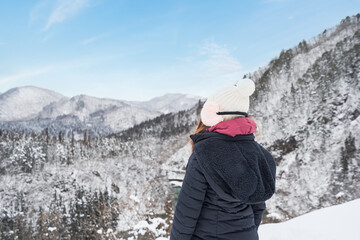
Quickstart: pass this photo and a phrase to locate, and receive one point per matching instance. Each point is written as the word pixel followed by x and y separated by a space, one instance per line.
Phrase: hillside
pixel 309 104
pixel 62 183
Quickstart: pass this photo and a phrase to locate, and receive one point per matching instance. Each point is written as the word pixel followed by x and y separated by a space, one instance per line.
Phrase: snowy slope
pixel 176 164
pixel 119 175
pixel 25 102
pixel 308 102
pixel 331 223
pixel 65 176
pixel 167 103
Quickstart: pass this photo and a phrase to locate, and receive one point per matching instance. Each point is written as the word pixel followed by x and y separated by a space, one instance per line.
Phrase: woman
pixel 229 176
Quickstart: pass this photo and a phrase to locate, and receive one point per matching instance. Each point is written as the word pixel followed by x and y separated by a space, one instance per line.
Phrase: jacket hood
pixel 237 168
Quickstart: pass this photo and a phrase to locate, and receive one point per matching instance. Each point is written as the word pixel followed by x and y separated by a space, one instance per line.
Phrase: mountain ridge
pixel 98 116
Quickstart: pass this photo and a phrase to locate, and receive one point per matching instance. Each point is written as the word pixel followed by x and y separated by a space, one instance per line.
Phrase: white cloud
pixel 185 59
pixel 19 76
pixel 91 40
pixel 209 63
pixel 72 64
pixel 37 11
pixel 218 59
pixel 65 9
pixel 46 38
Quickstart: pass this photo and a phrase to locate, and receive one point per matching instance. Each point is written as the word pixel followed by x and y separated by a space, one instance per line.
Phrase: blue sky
pixel 137 50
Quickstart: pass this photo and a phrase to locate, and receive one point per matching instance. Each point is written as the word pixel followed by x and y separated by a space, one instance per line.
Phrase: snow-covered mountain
pixel 330 223
pixel 81 106
pixel 23 103
pixel 99 112
pixel 33 109
pixel 168 103
pixel 308 103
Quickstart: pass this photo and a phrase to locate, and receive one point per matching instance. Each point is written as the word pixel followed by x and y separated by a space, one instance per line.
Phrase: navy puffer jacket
pixel 227 181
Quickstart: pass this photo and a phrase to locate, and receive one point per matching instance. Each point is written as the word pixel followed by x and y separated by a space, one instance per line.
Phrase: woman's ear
pixel 208 113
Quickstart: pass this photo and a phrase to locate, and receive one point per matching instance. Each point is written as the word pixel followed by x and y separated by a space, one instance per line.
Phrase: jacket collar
pixel 205 135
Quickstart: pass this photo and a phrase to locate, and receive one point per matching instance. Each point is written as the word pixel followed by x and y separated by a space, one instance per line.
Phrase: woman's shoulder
pixel 266 152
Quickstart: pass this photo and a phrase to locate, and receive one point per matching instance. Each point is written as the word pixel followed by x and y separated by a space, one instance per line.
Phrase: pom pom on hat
pixel 246 87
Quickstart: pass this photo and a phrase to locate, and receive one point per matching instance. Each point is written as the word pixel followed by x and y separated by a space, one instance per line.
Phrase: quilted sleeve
pixel 190 202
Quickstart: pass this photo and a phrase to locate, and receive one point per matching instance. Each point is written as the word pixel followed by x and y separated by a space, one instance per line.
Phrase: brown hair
pixel 201 127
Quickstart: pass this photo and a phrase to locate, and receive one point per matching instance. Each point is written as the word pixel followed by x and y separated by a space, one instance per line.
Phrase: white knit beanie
pixel 229 99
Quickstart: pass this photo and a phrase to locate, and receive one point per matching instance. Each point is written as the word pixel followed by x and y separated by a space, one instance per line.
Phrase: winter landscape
pixel 85 167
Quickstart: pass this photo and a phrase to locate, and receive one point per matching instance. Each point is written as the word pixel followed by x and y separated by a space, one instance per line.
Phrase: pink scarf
pixel 233 127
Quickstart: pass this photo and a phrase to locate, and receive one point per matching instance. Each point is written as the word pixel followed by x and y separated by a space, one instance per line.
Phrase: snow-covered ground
pixel 339 222
pixel 331 223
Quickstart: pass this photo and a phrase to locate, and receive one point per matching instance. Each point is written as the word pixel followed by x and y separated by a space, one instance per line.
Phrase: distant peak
pixel 33 88
pixel 30 93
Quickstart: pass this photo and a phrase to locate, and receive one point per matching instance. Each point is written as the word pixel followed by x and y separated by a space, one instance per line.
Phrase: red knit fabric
pixel 233 127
